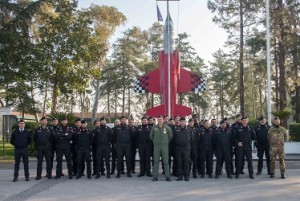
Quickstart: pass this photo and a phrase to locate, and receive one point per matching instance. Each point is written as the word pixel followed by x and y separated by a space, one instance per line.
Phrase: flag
pixel 159 17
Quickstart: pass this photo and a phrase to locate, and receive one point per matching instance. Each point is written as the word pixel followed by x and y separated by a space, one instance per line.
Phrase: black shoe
pixel 258 173
pixel 97 176
pixel 122 172
pixel 102 173
pixel 128 174
pixel 133 172
pixel 38 178
pixel 74 174
pixel 118 175
pixel 78 177
pixel 242 172
pixel 112 172
pixel 70 176
pixel 94 174
pixel 140 175
pixel 154 179
pixel 62 174
pixel 89 176
pixel 168 179
pixel 210 176
pixel 217 176
pixel 237 176
pixel 57 177
pixel 283 176
pixel 163 172
pixel 50 177
pixel 108 176
pixel 26 179
pixel 202 176
pixel 149 175
pixel 271 175
pixel 229 176
pixel 251 176
pixel 186 179
pixel 195 176
pixel 15 179
pixel 179 179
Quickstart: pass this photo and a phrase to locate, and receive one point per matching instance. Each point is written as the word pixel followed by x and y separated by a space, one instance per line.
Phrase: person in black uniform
pixel 84 140
pixel 213 124
pixel 102 140
pixel 76 128
pixel 172 150
pixel 205 149
pixel 43 141
pixel 223 140
pixel 114 147
pixel 21 139
pixel 243 142
pixel 94 152
pixel 263 145
pixel 54 127
pixel 194 150
pixel 62 140
pixel 133 145
pixel 123 134
pixel 233 127
pixel 144 145
pixel 183 136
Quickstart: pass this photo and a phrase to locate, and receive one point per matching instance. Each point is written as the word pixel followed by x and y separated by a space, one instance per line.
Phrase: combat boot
pixel 282 176
pixel 271 175
pixel 168 179
pixel 179 178
pixel 97 176
pixel 154 179
pixel 15 179
pixel 108 176
pixel 128 174
pixel 118 175
pixel 217 176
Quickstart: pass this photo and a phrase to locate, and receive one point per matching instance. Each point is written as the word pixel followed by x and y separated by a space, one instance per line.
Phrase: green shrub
pixel 253 122
pixel 294 132
pixel 61 115
pixel 31 126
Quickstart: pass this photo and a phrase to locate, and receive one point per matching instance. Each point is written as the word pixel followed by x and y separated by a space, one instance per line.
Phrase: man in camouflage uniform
pixel 277 136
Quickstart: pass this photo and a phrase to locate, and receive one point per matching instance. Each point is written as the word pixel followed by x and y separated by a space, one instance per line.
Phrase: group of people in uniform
pixel 183 147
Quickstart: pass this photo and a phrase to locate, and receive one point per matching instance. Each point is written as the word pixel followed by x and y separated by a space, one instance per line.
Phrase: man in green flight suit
pixel 161 135
pixel 277 137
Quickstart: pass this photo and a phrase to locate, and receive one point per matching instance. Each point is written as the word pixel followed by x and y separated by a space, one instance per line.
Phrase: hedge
pixel 294 132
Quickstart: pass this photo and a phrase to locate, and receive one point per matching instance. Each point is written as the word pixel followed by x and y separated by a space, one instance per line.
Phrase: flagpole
pixel 169 65
pixel 268 60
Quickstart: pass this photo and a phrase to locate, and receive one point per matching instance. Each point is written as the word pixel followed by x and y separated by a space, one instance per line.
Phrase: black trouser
pixel 74 158
pixel 133 154
pixel 222 156
pixel 241 152
pixel 84 154
pixel 53 151
pixel 113 158
pixel 231 152
pixel 103 152
pixel 194 161
pixel 21 153
pixel 94 156
pixel 124 150
pixel 206 160
pixel 41 153
pixel 60 151
pixel 236 161
pixel 183 162
pixel 172 155
pixel 145 153
pixel 261 150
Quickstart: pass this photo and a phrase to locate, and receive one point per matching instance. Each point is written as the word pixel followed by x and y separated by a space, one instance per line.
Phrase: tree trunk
pixel 297 107
pixel 276 78
pixel 260 99
pixel 116 103
pixel 241 60
pixel 33 102
pixel 123 100
pixel 108 102
pixel 96 85
pixel 45 99
pixel 55 93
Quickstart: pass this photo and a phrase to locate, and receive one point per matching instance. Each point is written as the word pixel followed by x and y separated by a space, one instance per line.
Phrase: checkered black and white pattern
pixel 200 86
pixel 139 86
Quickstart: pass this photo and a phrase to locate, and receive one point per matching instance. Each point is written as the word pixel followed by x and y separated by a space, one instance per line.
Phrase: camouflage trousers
pixel 274 152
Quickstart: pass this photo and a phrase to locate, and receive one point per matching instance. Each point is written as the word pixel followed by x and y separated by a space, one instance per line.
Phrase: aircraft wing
pixel 190 81
pixel 148 83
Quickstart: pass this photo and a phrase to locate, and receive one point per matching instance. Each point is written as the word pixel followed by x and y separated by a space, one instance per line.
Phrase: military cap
pixel 225 119
pixel 122 117
pixel 143 118
pixel 261 118
pixel 54 118
pixel 194 115
pixel 83 121
pixel 102 118
pixel 223 122
pixel 244 117
pixel 43 118
pixel 160 116
pixel 78 119
pixel 171 119
pixel 182 119
pixel 276 118
pixel 238 115
pixel 191 120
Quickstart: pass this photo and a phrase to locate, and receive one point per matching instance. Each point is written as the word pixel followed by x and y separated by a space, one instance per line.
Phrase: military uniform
pixel 113 151
pixel 83 140
pixel 62 138
pixel 263 147
pixel 53 146
pixel 145 147
pixel 277 137
pixel 183 137
pixel 172 152
pixel 223 142
pixel 133 148
pixel 205 151
pixel 21 139
pixel 102 142
pixel 43 141
pixel 194 152
pixel 244 135
pixel 233 127
pixel 161 137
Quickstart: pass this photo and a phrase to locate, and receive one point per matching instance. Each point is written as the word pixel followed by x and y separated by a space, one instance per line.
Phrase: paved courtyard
pixel 128 189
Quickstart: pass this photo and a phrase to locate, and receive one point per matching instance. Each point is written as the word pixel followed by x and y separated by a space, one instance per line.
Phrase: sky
pixel 190 16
